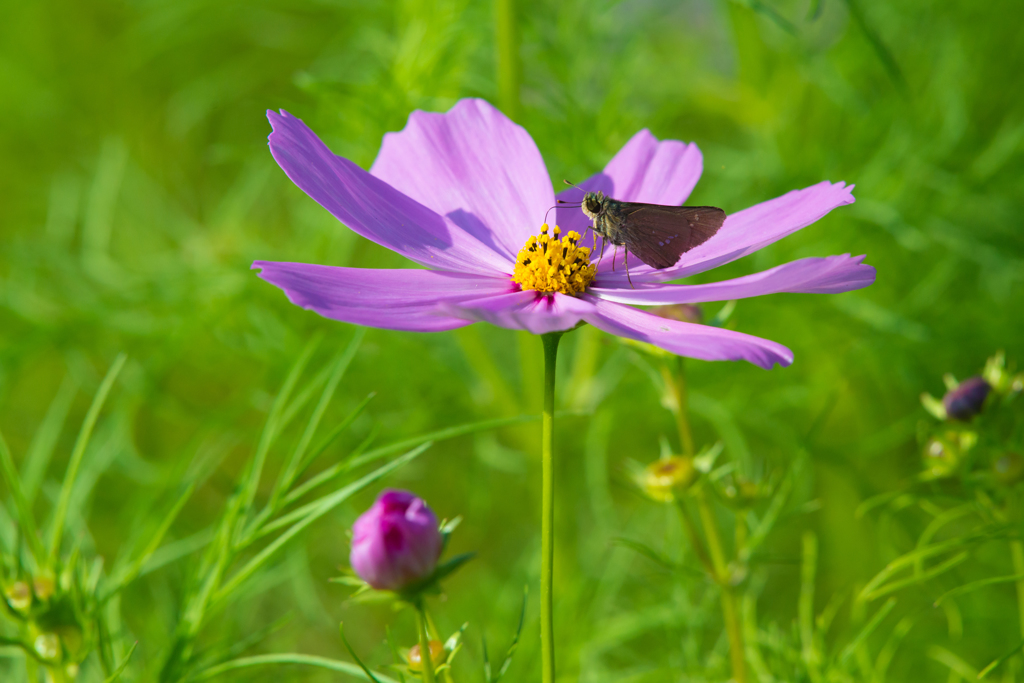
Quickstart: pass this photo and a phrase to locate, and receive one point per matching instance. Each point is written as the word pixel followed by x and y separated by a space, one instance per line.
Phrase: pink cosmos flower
pixel 463 193
pixel 396 542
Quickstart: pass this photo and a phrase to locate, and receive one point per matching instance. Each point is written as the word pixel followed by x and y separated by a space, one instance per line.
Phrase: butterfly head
pixel 593 204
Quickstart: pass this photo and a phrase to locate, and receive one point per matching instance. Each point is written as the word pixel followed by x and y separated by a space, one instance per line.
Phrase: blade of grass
pixel 40 451
pixel 26 523
pixel 975 585
pixel 289 658
pixel 270 429
pixel 917 578
pixel 881 614
pixel 313 512
pixel 61 511
pixel 132 572
pixel 352 652
pixel 988 669
pixel 911 557
pixel 121 667
pixel 384 451
pixel 340 366
pixel 953 661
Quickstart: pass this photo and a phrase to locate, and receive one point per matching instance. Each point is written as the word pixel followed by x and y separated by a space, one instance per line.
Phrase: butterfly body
pixel 656 234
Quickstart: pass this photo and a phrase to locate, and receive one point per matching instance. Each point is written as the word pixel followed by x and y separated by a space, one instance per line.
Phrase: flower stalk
pixel 425 654
pixel 713 557
pixel 547 527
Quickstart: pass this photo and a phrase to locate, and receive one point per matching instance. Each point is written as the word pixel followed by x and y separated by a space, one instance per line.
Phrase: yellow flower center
pixel 548 264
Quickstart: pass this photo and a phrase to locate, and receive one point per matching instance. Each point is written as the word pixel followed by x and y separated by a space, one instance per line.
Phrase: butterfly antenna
pixel 548 212
pixel 573 185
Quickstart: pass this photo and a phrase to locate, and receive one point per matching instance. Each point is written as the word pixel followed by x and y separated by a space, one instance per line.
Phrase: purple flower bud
pixel 396 542
pixel 965 401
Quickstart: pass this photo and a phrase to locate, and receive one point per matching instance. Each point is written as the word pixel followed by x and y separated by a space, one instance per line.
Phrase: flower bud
pixel 19 596
pixel 437 655
pixel 941 457
pixel 662 479
pixel 1009 469
pixel 965 401
pixel 47 646
pixel 396 542
pixel 43 586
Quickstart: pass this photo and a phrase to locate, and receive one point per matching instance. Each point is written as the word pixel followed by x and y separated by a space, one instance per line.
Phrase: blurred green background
pixel 137 188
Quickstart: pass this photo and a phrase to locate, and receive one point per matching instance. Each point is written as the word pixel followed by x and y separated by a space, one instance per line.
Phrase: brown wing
pixel 658 235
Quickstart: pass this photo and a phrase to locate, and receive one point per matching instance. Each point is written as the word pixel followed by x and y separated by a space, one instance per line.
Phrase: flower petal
pixel 371 207
pixel 408 299
pixel 644 170
pixel 686 339
pixel 829 275
pixel 526 310
pixel 474 166
pixel 751 229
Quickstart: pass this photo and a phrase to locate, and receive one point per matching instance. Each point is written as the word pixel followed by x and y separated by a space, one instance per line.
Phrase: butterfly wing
pixel 658 235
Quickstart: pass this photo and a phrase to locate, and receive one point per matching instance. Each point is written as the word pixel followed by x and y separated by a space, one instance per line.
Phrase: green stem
pixel 1017 552
pixel 676 383
pixel 547 526
pixel 730 609
pixel 694 536
pixel 446 675
pixel 509 69
pixel 425 659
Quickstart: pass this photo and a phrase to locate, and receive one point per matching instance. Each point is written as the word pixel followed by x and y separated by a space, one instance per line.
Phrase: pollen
pixel 548 263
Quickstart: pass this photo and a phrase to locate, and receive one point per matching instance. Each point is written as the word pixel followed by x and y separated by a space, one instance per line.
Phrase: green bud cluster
pixel 53 613
pixel 979 435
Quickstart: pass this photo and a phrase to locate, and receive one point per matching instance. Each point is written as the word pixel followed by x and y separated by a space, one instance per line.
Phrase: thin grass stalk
pixel 547 527
pixel 59 516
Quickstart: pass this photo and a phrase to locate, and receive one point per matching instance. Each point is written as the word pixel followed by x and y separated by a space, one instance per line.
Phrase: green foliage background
pixel 137 189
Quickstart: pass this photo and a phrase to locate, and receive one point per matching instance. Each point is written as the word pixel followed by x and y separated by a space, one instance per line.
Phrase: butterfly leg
pixel 601 257
pixel 615 255
pixel 625 262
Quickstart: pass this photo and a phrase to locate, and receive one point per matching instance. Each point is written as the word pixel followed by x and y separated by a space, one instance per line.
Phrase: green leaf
pixel 953 661
pixel 975 585
pixel 60 515
pixel 988 669
pixel 290 658
pixel 366 670
pixel 120 667
pixel 311 513
pixel 40 451
pixel 132 571
pixel 881 614
pixel 271 427
pixel 26 522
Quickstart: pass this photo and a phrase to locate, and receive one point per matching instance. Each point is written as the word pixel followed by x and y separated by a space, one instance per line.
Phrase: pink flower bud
pixel 966 400
pixel 396 542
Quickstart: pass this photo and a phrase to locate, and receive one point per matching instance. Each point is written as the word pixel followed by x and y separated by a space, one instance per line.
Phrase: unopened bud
pixel 47 646
pixel 743 494
pixel 43 586
pixel 941 457
pixel 19 596
pixel 662 479
pixel 965 401
pixel 437 655
pixel 1009 469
